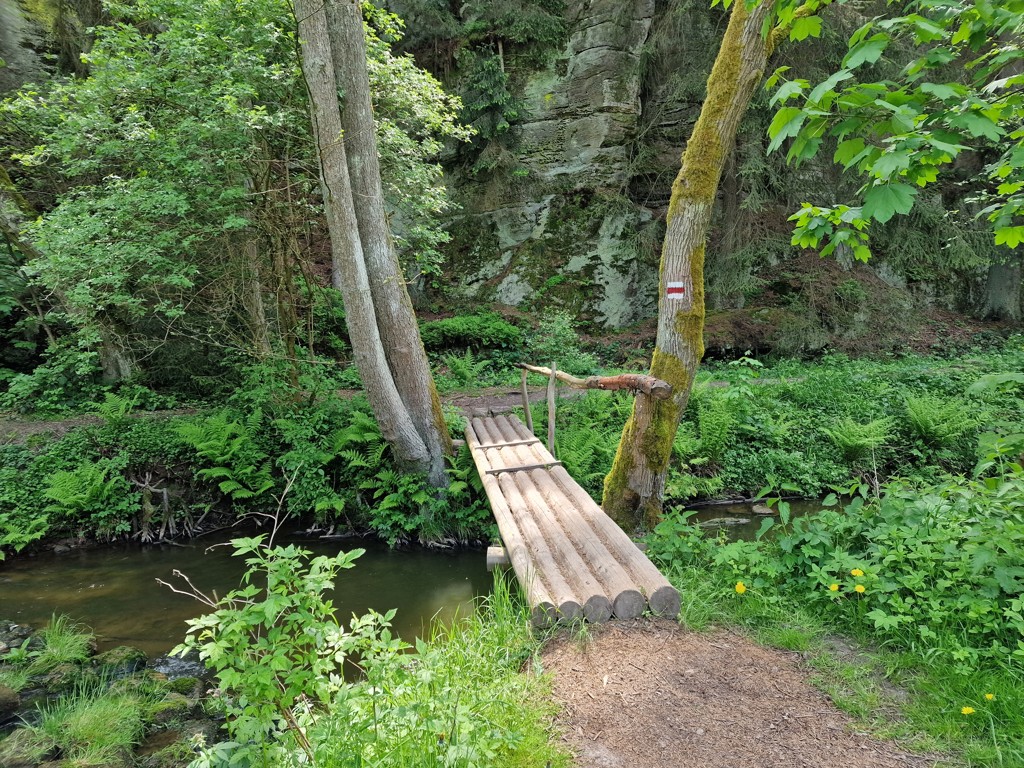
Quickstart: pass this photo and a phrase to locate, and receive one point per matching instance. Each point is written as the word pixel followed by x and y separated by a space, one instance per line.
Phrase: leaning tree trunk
pixel 348 269
pixel 634 487
pixel 396 319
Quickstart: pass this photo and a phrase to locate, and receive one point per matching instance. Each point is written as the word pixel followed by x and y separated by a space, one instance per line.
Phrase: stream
pixel 113 590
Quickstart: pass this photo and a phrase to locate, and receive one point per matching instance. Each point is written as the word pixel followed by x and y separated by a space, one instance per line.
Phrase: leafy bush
pixel 486 330
pixel 279 655
pixel 936 570
pixel 556 340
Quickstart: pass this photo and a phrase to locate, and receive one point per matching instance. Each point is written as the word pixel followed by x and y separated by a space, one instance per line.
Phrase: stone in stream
pixel 722 522
pixel 9 702
pixel 762 509
pixel 120 661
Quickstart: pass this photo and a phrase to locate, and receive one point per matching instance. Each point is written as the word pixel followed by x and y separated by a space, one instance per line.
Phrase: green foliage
pixel 481 331
pixel 956 93
pixel 716 422
pixel 227 445
pixel 91 727
pixel 63 642
pixel 858 441
pixel 465 370
pixel 938 422
pixel 489 106
pixel 93 493
pixel 279 655
pixel 556 340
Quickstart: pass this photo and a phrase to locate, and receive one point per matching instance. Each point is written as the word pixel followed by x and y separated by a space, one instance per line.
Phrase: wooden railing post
pixel 526 403
pixel 552 391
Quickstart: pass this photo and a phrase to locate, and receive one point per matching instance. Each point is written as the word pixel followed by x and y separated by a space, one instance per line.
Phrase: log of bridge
pixel 533 562
pixel 656 388
pixel 662 596
pixel 597 606
pixel 584 560
pixel 560 519
pixel 538 595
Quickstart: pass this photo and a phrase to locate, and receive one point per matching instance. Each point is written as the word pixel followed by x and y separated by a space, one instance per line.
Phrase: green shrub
pixel 483 331
pixel 279 655
pixel 557 341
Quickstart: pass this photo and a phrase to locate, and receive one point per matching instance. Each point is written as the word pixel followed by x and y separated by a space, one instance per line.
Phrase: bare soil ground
pixel 651 694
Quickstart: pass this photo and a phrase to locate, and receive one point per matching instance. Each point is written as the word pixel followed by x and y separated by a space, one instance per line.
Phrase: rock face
pixel 565 217
pixel 20 39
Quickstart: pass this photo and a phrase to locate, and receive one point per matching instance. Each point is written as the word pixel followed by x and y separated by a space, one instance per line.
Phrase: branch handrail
pixel 635 382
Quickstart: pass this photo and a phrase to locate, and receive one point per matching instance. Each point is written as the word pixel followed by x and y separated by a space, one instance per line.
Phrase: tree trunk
pixel 633 489
pixel 1002 289
pixel 348 269
pixel 396 320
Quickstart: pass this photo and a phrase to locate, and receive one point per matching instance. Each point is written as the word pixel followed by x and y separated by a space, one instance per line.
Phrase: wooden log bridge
pixel 571 559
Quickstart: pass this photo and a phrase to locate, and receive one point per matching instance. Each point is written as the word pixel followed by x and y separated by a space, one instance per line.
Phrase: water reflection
pixel 114 590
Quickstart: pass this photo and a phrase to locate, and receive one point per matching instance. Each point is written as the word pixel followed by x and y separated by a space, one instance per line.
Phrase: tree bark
pixel 1002 289
pixel 633 489
pixel 348 268
pixel 396 320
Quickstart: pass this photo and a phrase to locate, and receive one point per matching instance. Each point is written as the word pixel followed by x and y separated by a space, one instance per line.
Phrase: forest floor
pixel 652 694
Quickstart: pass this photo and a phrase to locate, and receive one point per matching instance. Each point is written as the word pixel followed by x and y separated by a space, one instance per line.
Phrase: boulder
pixel 9 702
pixel 120 661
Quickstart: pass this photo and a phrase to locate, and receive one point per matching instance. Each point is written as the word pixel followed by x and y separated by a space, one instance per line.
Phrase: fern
pixel 240 468
pixel 465 369
pixel 715 426
pixel 937 421
pixel 856 440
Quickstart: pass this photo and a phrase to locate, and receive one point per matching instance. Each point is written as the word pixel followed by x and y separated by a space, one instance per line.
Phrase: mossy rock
pixel 176 755
pixel 23 749
pixel 186 686
pixel 173 706
pixel 120 662
pixel 145 682
pixel 64 678
pixel 9 702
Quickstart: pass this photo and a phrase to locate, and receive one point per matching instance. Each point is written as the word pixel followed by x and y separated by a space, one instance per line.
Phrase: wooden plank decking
pixel 570 558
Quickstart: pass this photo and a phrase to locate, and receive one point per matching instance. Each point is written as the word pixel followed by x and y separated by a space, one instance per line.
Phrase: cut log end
pixel 597 609
pixel 665 602
pixel 629 604
pixel 544 614
pixel 497 557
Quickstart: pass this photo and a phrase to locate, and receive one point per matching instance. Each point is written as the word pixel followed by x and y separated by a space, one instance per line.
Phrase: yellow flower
pixel 833 587
pixel 859 589
pixel 989 696
pixel 856 572
pixel 967 711
pixel 740 587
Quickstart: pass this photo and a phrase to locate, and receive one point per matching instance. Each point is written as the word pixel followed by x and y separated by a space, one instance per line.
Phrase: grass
pixel 462 699
pixel 64 642
pixel 15 678
pixel 91 727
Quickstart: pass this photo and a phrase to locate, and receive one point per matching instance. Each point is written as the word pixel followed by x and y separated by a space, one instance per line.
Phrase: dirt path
pixel 650 694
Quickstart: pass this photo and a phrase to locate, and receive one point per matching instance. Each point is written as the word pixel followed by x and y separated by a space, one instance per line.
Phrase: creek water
pixel 113 590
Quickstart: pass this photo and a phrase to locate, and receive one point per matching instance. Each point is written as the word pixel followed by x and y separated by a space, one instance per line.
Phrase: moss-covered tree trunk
pixel 634 488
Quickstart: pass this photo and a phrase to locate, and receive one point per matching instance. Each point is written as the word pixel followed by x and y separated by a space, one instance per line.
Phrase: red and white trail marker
pixel 675 290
